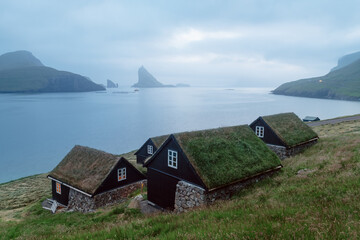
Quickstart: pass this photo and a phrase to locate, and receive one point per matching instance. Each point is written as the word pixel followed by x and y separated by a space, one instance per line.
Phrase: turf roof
pixel 159 140
pixel 226 155
pixel 291 130
pixel 85 168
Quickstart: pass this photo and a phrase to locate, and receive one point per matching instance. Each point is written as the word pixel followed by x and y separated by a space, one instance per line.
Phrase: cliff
pixel 146 80
pixel 111 84
pixel 342 84
pixel 21 72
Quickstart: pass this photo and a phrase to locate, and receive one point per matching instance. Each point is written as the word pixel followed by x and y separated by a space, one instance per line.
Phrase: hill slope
pixel 343 84
pixel 315 196
pixel 18 59
pixel 21 72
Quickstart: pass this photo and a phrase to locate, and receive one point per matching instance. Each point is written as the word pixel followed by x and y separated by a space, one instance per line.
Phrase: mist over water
pixel 38 130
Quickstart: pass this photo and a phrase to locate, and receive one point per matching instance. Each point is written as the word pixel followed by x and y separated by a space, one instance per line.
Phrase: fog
pixel 202 43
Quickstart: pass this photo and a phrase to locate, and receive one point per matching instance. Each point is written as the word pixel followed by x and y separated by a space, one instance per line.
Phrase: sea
pixel 38 130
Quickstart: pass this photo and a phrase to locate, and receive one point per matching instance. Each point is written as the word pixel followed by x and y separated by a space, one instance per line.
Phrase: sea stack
pixel 111 84
pixel 146 80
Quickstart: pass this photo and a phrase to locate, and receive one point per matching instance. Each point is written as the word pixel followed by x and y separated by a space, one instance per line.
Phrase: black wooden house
pixel 209 160
pixel 88 178
pixel 284 133
pixel 149 148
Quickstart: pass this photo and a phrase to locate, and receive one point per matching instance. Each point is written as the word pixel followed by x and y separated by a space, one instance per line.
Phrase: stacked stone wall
pixel 82 203
pixel 283 152
pixel 188 196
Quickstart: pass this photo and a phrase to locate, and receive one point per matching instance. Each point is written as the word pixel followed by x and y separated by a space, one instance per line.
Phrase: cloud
pixel 183 37
pixel 205 42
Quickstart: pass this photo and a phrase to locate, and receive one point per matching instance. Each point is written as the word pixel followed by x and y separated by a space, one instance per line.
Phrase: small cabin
pixel 149 148
pixel 311 119
pixel 284 133
pixel 196 168
pixel 87 179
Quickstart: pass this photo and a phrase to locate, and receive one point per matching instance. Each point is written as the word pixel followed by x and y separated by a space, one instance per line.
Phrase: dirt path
pixel 333 121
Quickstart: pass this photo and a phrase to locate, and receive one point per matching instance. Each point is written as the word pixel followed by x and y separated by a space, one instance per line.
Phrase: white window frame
pixel 58 187
pixel 259 130
pixel 172 158
pixel 150 149
pixel 122 174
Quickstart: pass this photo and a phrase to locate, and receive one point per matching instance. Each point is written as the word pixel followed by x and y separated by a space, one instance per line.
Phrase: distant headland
pixel 21 72
pixel 147 80
pixel 342 82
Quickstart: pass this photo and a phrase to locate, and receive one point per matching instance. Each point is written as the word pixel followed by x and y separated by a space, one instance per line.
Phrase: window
pixel 172 158
pixel 58 188
pixel 150 149
pixel 121 174
pixel 259 131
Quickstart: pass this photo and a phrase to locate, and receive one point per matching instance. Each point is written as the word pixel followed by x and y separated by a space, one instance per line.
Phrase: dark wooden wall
pixel 161 189
pixel 111 182
pixel 162 179
pixel 142 154
pixel 269 135
pixel 62 198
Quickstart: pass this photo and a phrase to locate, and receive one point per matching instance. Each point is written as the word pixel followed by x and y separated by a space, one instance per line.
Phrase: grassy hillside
pixel 315 196
pixel 343 84
pixel 44 79
pixel 21 72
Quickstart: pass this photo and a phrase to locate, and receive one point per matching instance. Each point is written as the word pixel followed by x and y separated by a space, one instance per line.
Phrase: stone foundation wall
pixel 283 153
pixel 188 196
pixel 280 151
pixel 83 203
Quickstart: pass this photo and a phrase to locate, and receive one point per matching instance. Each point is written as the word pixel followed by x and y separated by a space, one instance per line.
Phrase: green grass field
pixel 315 196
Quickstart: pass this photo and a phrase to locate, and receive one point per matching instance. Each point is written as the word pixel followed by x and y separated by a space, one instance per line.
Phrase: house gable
pixel 112 180
pixel 269 136
pixel 142 153
pixel 184 169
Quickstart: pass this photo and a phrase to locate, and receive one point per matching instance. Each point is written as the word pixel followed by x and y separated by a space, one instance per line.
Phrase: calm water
pixel 38 130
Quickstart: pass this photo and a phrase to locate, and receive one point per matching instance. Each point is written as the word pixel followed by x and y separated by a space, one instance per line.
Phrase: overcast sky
pixel 242 43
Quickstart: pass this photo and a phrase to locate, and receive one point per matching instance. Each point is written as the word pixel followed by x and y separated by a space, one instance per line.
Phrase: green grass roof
pixel 290 128
pixel 225 155
pixel 85 168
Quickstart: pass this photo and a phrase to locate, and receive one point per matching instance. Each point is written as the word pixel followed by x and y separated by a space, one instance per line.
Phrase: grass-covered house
pixel 195 168
pixel 88 178
pixel 284 133
pixel 149 148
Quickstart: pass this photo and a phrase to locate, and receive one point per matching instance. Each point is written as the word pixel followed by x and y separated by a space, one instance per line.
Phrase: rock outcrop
pixel 111 84
pixel 146 80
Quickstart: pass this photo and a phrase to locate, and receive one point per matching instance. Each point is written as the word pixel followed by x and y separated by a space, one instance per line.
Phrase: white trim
pixel 171 156
pixel 150 149
pixel 259 131
pixel 67 185
pixel 151 203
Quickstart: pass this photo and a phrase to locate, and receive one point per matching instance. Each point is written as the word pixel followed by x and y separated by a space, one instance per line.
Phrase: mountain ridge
pixel 21 72
pixel 342 84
